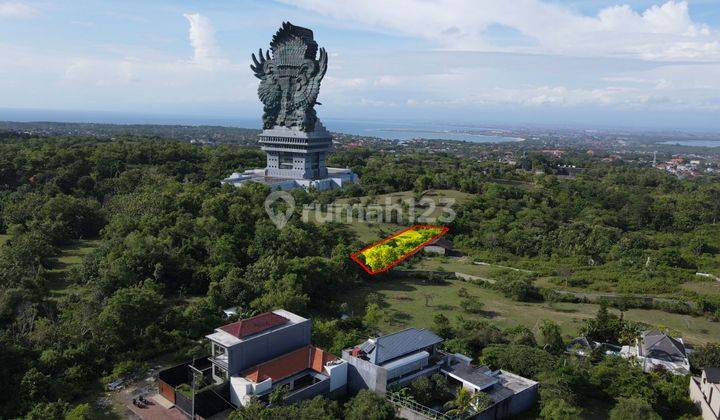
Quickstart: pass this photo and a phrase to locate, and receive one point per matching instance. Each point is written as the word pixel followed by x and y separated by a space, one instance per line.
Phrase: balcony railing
pixel 220 361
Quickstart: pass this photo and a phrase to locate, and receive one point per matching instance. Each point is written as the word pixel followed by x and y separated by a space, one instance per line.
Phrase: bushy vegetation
pixel 380 256
pixel 568 383
pixel 174 248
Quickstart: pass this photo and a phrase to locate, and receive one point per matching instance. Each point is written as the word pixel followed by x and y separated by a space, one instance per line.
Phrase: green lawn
pixel 405 306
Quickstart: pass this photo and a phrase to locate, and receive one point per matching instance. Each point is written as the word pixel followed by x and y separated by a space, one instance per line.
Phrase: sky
pixel 611 63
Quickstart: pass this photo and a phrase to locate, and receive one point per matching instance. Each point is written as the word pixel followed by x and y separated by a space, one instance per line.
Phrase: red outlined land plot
pixel 391 251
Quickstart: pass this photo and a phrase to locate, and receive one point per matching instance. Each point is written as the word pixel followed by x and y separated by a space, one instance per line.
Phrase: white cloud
pixel 14 9
pixel 661 32
pixel 202 38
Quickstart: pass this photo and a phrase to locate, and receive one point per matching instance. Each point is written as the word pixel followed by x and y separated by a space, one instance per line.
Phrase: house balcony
pixel 220 361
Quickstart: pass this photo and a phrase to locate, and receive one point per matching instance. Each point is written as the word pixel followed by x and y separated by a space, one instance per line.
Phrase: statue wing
pixel 307 97
pixel 264 69
pixel 259 68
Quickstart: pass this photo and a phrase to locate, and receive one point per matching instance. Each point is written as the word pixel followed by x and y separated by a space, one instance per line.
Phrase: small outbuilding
pixel 439 246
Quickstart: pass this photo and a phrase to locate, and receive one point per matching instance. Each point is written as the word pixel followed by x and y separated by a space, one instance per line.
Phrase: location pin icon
pixel 281 218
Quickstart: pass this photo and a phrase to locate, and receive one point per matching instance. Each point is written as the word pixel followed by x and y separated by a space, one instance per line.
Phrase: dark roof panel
pixel 657 345
pixel 398 344
pixel 713 375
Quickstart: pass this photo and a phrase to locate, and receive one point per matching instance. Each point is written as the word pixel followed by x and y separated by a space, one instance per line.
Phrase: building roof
pixel 254 325
pixel 479 377
pixel 391 346
pixel 442 243
pixel 582 342
pixel 509 384
pixel 658 345
pixel 712 375
pixel 307 357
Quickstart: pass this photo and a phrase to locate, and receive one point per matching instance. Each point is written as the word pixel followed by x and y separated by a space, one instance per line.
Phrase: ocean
pixel 390 130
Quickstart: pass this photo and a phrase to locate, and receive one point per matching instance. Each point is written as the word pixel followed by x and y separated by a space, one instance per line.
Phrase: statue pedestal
pixel 295 159
pixel 295 154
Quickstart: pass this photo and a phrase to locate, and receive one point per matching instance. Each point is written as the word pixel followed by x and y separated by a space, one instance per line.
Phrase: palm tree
pixel 462 403
pixel 466 401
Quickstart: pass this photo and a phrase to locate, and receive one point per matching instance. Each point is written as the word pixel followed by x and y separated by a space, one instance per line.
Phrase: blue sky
pixel 587 62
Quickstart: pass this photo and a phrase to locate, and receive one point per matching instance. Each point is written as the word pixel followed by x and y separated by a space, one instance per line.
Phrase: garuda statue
pixel 290 79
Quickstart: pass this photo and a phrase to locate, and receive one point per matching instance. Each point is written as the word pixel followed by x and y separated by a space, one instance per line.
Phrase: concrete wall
pixel 268 346
pixel 338 375
pixel 425 372
pixel 699 398
pixel 408 414
pixel 364 375
pixel 320 388
pixel 511 406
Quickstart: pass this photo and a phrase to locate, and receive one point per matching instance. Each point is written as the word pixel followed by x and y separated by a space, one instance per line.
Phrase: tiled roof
pixel 657 345
pixel 254 325
pixel 398 344
pixel 308 357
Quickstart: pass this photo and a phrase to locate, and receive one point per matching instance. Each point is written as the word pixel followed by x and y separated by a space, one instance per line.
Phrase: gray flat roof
pixel 508 385
pixel 478 377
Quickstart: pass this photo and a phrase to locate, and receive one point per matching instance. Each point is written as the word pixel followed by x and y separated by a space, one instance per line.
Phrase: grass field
pixel 69 256
pixel 705 287
pixel 3 238
pixel 405 305
pixel 459 265
pixel 372 232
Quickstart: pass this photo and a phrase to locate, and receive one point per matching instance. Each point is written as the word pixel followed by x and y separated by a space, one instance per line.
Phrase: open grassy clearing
pixel 455 265
pixel 3 238
pixel 69 256
pixel 369 232
pixel 405 305
pixel 704 287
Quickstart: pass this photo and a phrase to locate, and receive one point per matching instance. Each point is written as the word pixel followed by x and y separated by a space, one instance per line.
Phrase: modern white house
pixel 396 359
pixel 270 350
pixel 705 393
pixel 655 349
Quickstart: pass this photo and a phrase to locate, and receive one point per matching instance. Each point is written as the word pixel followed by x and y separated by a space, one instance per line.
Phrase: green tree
pixel 278 394
pixel 466 402
pixel 367 405
pixel 559 409
pixel 373 316
pixel 705 356
pixel 522 360
pixel 620 378
pixel 48 410
pixel 552 339
pixel 124 320
pixel 632 409
pixel 80 412
pixel 441 325
pixel 605 327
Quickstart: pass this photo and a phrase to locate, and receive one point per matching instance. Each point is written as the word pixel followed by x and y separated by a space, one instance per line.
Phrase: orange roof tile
pixel 308 357
pixel 254 325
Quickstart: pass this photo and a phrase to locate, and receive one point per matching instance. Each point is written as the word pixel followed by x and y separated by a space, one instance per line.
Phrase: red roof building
pixel 308 357
pixel 254 325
